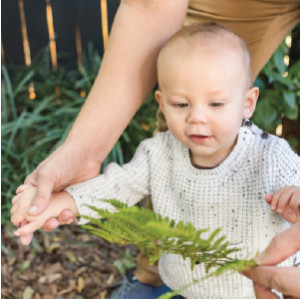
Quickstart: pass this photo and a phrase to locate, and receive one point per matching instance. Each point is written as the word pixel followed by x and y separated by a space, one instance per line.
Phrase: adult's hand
pixel 268 276
pixel 140 29
pixel 65 166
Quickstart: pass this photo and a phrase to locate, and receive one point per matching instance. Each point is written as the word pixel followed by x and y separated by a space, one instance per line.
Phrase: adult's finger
pixel 282 246
pixel 31 179
pixel 262 292
pixel 44 190
pixel 282 279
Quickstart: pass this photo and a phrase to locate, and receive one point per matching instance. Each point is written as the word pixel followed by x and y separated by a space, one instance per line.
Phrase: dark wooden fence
pixel 67 26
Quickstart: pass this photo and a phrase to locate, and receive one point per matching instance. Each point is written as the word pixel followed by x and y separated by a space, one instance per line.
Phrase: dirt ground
pixel 68 263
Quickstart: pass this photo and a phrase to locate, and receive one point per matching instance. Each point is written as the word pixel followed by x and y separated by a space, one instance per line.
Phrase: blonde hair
pixel 210 33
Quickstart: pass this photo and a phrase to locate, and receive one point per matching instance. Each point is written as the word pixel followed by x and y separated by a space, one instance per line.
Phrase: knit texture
pixel 230 196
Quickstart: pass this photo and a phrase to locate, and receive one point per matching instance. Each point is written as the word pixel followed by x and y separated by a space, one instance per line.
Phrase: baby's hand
pixel 59 202
pixel 21 203
pixel 286 202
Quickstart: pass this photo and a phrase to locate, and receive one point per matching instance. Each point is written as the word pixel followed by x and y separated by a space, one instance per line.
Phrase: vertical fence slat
pixel 78 39
pixel 104 21
pixel 26 46
pixel 29 25
pixel 37 30
pixel 89 15
pixel 11 33
pixel 53 53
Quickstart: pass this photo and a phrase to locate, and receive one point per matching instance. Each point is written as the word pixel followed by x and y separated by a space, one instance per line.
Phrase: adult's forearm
pixel 127 73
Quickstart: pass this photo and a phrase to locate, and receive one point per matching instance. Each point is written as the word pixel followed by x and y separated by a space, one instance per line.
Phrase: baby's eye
pixel 181 105
pixel 216 104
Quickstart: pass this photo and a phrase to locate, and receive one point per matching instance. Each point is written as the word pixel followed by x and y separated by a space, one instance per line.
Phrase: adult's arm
pixel 268 276
pixel 128 72
pixel 126 76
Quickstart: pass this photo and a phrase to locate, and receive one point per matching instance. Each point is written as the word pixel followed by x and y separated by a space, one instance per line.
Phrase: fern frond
pixel 155 235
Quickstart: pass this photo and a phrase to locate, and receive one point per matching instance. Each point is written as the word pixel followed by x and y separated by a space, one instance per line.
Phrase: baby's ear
pixel 250 102
pixel 158 96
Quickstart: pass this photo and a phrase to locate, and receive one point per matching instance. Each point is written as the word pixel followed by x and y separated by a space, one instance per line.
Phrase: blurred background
pixel 51 52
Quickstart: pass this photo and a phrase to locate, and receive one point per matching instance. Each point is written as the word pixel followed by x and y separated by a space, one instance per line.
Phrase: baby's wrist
pixel 65 201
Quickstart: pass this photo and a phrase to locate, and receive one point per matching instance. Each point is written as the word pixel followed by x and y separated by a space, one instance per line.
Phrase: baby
pixel 213 167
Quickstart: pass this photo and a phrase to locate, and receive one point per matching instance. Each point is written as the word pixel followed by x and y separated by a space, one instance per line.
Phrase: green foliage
pixel 155 235
pixel 32 129
pixel 125 263
pixel 279 90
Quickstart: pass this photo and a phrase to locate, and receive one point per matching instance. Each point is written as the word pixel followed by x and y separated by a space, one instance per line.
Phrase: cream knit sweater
pixel 230 196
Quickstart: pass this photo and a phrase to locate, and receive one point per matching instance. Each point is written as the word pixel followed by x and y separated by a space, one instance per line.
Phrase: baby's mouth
pixel 198 138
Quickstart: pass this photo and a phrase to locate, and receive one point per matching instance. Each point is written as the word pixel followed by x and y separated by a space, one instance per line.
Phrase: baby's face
pixel 204 98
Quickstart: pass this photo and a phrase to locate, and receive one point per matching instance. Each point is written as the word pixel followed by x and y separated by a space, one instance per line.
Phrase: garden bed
pixel 67 263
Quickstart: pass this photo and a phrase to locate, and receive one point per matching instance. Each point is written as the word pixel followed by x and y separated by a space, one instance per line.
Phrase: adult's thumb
pixel 42 196
pixel 282 246
pixel 31 179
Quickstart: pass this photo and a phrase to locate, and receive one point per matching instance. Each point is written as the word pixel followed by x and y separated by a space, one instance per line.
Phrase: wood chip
pixel 28 292
pixel 65 291
pixel 81 270
pixel 50 278
pixel 110 279
pixel 55 268
pixel 80 284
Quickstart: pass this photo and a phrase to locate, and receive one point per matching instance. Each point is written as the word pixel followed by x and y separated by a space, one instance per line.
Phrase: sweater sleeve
pixel 286 165
pixel 128 183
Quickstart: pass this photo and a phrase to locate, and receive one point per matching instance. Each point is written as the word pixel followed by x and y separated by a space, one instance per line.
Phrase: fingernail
pixel 260 257
pixel 33 209
pixel 273 207
pixel 291 211
pixel 279 210
pixel 16 233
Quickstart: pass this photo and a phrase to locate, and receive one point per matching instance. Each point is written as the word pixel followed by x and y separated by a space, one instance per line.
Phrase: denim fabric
pixel 138 290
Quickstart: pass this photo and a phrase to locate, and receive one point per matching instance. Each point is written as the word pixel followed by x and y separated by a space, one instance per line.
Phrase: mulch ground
pixel 68 263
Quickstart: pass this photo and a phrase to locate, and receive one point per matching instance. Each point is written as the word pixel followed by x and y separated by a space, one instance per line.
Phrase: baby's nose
pixel 197 116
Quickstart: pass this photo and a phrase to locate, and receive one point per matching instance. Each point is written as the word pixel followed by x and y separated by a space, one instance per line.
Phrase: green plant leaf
pixel 278 59
pixel 290 107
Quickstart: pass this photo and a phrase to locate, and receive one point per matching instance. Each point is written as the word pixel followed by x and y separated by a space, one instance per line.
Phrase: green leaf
pixel 266 115
pixel 25 265
pixel 290 107
pixel 290 99
pixel 22 83
pixel 155 235
pixel 278 59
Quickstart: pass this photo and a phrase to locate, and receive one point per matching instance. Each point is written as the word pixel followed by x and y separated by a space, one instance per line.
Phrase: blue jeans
pixel 145 291
pixel 139 290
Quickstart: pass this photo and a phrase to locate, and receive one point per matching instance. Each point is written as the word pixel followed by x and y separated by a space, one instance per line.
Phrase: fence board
pixel 11 32
pixel 35 13
pixel 90 23
pixel 112 7
pixel 65 13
